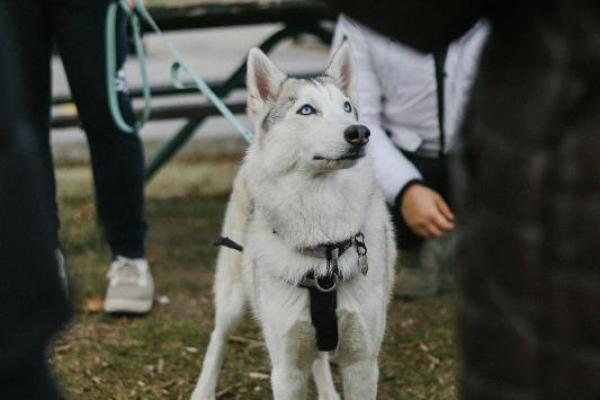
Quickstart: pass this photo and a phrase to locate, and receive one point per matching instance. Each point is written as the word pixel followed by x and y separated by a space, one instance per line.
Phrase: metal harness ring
pixel 335 280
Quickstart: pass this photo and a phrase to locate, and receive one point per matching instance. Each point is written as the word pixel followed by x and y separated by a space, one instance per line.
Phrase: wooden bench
pixel 297 16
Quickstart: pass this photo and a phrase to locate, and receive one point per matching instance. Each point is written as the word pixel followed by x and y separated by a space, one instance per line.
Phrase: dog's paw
pixel 330 396
pixel 202 396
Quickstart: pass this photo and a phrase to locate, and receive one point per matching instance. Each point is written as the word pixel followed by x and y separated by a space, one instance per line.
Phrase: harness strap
pixel 322 249
pixel 323 307
pixel 322 290
pixel 226 242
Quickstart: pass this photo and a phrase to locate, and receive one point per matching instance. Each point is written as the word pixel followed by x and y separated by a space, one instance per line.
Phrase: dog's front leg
pixel 227 317
pixel 292 355
pixel 289 383
pixel 360 380
pixel 357 358
pixel 323 379
pixel 230 293
pixel 230 300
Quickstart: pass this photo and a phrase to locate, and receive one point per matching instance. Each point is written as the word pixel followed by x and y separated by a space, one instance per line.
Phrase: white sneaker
pixel 131 288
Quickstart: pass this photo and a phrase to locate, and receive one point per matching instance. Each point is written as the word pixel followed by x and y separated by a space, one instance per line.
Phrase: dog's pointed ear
pixel 263 79
pixel 341 68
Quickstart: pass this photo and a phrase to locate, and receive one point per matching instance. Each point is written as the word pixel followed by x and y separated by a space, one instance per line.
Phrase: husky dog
pixel 305 209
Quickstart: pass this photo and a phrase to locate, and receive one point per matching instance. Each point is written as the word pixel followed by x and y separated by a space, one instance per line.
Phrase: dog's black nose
pixel 357 135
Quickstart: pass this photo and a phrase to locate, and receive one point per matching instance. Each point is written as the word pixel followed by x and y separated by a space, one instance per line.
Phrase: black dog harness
pixel 323 289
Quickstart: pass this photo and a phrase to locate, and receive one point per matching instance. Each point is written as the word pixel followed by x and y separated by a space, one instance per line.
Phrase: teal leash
pixel 177 68
pixel 111 67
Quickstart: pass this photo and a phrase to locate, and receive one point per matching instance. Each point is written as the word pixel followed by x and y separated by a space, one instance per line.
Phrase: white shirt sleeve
pixel 392 170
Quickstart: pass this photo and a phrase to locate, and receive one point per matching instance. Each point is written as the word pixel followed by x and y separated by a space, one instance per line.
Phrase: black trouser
pixel 435 173
pixel 32 304
pixel 77 27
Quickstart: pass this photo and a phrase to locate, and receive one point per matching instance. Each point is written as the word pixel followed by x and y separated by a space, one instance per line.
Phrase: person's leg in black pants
pixel 32 304
pixel 117 156
pixel 33 32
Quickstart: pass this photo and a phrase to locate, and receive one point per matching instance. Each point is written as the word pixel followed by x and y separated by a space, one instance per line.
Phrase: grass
pixel 159 356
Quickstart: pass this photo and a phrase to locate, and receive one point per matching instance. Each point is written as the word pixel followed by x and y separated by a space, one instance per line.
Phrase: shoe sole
pixel 123 306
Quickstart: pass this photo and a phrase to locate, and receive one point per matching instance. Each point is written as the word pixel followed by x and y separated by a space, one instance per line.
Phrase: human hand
pixel 425 212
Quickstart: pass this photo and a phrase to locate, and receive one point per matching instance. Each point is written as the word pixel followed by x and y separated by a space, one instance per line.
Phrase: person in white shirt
pixel 414 124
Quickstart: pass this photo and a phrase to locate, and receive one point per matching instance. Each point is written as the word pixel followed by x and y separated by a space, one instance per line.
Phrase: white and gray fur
pixel 296 189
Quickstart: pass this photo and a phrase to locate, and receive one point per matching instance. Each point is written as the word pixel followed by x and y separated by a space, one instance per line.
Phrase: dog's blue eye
pixel 307 109
pixel 347 107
